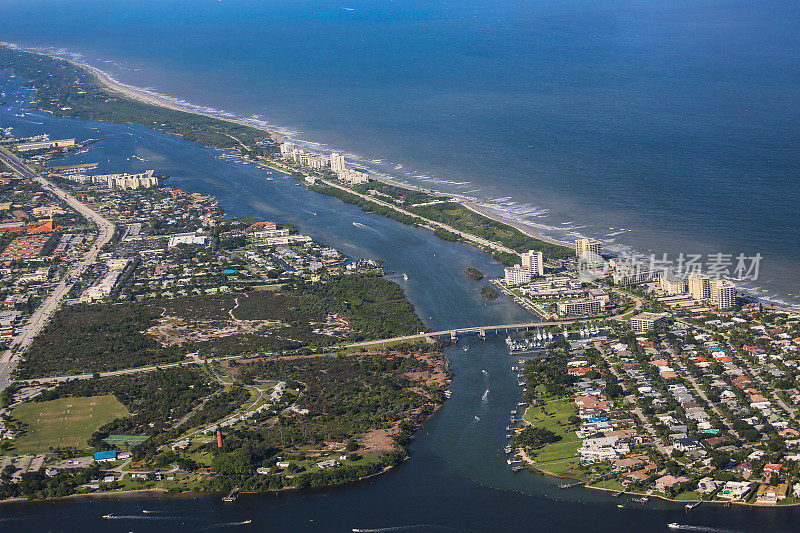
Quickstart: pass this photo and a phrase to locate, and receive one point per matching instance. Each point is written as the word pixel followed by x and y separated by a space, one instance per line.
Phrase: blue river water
pixel 661 127
pixel 456 478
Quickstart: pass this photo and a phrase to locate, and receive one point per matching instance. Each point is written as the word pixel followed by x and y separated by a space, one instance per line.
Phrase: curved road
pixel 38 319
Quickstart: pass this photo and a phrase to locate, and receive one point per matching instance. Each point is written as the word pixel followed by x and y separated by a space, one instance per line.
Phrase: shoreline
pixel 143 96
pixel 140 95
pixel 531 467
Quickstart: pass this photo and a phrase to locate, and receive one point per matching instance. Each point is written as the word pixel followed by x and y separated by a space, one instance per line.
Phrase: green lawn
pixel 559 457
pixel 612 484
pixel 64 422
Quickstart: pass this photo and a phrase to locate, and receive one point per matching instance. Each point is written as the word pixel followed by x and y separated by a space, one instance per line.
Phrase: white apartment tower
pixel 700 287
pixel 723 293
pixel 534 261
pixel 592 246
pixel 337 163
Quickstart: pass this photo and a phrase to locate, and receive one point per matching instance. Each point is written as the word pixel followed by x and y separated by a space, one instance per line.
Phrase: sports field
pixel 64 422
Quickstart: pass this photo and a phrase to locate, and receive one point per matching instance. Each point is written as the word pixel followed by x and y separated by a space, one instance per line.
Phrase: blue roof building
pixel 110 455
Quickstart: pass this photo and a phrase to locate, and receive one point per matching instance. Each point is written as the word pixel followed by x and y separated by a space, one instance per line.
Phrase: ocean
pixel 659 127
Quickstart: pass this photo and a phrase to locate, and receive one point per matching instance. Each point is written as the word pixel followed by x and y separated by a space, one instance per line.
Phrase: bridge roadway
pixel 450 333
pixel 10 358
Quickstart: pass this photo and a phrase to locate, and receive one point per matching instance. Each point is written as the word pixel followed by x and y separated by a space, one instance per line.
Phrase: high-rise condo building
pixel 700 287
pixel 534 261
pixel 723 293
pixel 591 246
pixel 337 163
pixel 671 284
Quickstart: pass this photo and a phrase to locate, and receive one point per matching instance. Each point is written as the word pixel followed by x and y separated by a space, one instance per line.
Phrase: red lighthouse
pixel 219 439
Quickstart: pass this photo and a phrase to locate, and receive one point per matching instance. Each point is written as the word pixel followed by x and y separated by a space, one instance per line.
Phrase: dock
pixel 571 485
pixel 231 497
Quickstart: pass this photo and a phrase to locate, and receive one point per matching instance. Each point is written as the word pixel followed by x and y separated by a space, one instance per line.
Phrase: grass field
pixel 559 457
pixel 64 422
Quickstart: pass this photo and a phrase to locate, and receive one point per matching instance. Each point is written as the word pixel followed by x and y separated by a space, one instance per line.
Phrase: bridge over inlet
pixel 482 331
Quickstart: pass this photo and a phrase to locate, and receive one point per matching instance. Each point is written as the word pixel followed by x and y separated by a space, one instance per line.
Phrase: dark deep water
pixel 457 478
pixel 663 127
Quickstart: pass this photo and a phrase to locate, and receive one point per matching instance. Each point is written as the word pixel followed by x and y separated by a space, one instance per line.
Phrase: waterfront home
pixel 772 494
pixel 666 482
pixel 735 490
pixel 642 474
pixel 707 485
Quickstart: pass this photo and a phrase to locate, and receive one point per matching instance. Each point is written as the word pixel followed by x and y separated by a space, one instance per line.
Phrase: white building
pixel 187 238
pixel 337 163
pixel 672 285
pixel 534 261
pixel 517 275
pixel 647 321
pixel 723 293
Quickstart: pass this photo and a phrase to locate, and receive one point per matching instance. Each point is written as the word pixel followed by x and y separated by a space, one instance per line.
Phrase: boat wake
pixel 689 527
pixel 399 528
pixel 228 524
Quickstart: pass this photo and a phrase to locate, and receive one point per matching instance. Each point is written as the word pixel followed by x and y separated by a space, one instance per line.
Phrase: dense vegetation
pixel 367 205
pixel 489 293
pixel 68 90
pixel 96 338
pixel 346 397
pixel 459 217
pixel 473 273
pixel 535 437
pixel 88 338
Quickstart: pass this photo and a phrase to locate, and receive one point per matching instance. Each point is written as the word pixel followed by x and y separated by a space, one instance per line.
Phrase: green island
pixel 473 273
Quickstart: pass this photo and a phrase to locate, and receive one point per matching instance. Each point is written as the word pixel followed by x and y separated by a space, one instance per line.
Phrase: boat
pixel 269 178
pixel 405 277
pixel 229 498
pixel 693 504
pixel 620 505
pixel 643 499
pixel 674 525
pixel 246 522
pixel 108 516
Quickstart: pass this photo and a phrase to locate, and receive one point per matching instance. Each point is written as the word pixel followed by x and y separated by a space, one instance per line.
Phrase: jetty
pixel 571 485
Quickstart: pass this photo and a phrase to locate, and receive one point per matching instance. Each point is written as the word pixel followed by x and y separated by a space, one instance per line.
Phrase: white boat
pixel 405 277
pixel 108 516
pixel 674 525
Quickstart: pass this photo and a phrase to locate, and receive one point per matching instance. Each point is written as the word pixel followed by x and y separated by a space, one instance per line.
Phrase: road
pixel 664 450
pixel 10 358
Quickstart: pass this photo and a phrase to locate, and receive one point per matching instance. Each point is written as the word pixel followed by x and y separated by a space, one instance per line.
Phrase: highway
pixel 10 358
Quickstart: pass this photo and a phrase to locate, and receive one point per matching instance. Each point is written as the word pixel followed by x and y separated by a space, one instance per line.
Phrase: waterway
pixel 456 478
